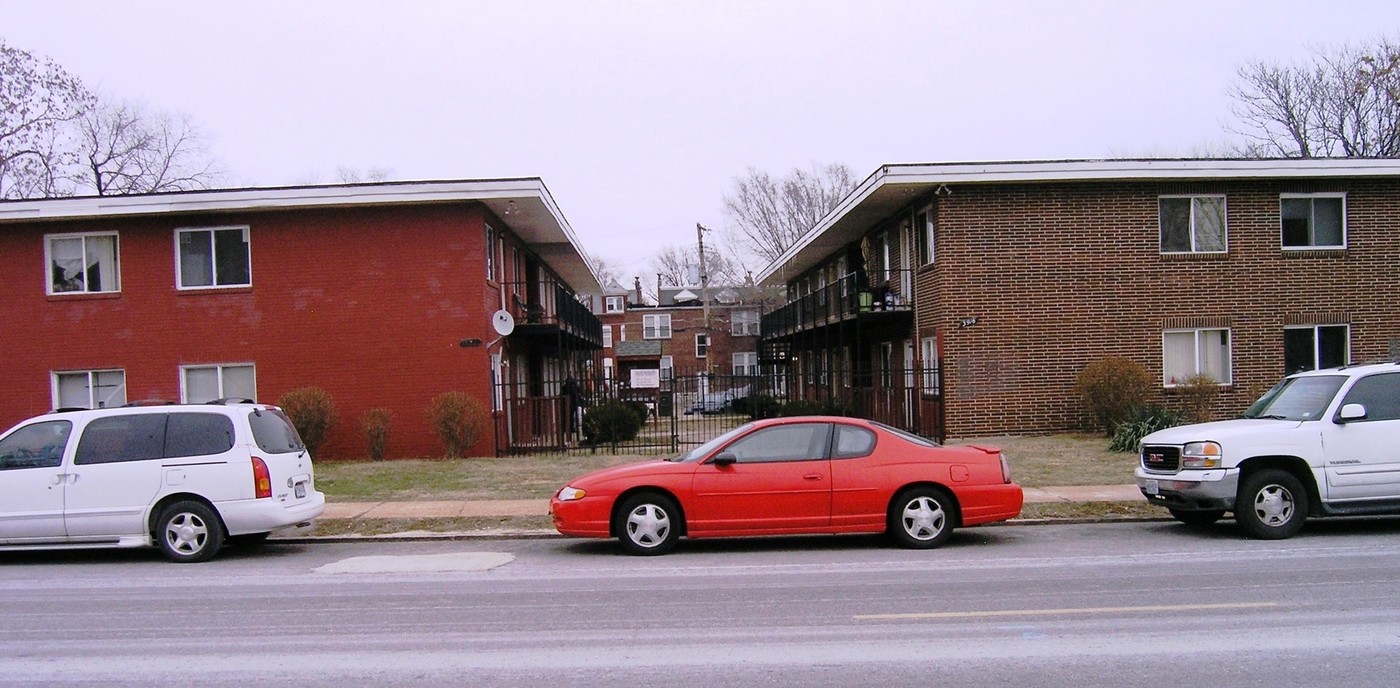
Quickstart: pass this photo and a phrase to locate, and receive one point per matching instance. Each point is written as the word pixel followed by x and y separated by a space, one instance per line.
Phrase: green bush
pixel 312 412
pixel 1113 389
pixel 460 420
pixel 613 421
pixel 803 407
pixel 760 406
pixel 376 424
pixel 1145 421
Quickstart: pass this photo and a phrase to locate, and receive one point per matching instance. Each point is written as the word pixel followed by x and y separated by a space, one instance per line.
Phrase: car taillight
pixel 262 479
pixel 1005 469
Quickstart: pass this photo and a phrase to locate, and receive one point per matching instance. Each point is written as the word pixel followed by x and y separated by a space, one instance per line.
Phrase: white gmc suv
pixel 1320 443
pixel 184 478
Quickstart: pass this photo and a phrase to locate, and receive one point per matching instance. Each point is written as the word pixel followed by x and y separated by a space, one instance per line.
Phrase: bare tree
pixel 608 273
pixel 1345 102
pixel 38 99
pixel 680 266
pixel 127 149
pixel 768 215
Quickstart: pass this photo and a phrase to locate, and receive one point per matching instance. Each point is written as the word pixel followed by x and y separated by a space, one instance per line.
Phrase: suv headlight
pixel 1201 455
pixel 570 494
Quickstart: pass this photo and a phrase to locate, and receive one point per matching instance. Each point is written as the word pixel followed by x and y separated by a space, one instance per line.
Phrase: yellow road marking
pixel 1064 612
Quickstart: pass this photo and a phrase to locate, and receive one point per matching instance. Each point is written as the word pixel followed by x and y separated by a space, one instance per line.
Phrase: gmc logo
pixel 1156 458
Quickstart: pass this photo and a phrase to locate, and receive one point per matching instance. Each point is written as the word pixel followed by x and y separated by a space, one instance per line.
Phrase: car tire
pixel 648 524
pixel 922 518
pixel 1197 519
pixel 1271 505
pixel 189 532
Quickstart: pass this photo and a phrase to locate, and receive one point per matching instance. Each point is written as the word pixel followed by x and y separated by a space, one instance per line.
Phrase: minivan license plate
pixel 301 490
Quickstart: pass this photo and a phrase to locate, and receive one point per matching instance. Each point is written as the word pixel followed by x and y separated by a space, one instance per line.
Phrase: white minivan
pixel 185 478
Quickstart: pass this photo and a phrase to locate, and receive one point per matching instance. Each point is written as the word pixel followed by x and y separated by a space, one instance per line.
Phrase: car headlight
pixel 1201 455
pixel 570 494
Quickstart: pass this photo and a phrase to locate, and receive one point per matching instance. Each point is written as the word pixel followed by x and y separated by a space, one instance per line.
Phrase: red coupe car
pixel 785 476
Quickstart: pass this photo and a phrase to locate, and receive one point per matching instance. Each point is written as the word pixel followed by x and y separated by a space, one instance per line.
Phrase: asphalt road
pixel 1126 604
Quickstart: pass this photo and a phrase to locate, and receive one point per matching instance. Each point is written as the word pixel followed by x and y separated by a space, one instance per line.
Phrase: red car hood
pixel 629 472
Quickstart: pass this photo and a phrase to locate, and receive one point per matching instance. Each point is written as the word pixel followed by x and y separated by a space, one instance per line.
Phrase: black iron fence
pixel 672 414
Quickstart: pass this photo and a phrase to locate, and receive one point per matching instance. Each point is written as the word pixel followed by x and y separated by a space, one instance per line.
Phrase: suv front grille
pixel 1160 459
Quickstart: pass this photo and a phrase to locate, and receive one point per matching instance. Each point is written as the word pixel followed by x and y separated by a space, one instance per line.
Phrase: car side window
pixel 39 445
pixel 1380 394
pixel 796 442
pixel 853 442
pixel 198 434
pixel 114 439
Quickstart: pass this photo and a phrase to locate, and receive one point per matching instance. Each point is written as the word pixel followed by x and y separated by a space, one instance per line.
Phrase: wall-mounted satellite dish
pixel 503 322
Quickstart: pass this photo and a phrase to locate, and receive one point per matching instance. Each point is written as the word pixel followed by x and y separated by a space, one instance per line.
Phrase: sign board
pixel 646 378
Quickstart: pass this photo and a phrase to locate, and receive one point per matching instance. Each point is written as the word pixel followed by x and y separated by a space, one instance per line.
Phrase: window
pixel 746 363
pixel 615 304
pixel 1311 348
pixel 667 368
pixel 744 324
pixel 216 257
pixel 200 384
pixel 1313 221
pixel 198 434
pixel 273 432
pixel 608 369
pixel 1186 353
pixel 795 442
pixel 1192 224
pixel 607 336
pixel 928 350
pixel 89 389
pixel 117 439
pixel 39 445
pixel 621 333
pixel 923 235
pixel 656 326
pixel 1380 394
pixel 490 254
pixel 82 263
pixel 702 345
pixel 853 442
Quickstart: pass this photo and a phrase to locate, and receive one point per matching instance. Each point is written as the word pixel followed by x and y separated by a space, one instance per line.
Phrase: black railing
pixel 845 299
pixel 549 303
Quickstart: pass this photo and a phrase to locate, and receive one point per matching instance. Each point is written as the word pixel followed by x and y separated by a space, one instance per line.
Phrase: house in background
pixel 386 295
pixel 964 299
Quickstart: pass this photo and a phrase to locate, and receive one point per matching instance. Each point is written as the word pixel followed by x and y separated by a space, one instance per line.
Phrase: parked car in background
pixel 1320 443
pixel 184 478
pixel 718 402
pixel 812 474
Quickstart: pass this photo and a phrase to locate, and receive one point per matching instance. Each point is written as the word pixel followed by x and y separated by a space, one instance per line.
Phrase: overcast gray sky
pixel 639 115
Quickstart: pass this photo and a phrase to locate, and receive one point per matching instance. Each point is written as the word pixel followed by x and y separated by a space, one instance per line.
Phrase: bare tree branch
pixel 38 98
pixel 767 216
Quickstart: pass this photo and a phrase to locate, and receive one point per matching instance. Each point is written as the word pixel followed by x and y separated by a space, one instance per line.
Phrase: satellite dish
pixel 503 322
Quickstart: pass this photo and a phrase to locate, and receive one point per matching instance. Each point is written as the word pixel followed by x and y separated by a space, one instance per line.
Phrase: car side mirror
pixel 1351 412
pixel 725 459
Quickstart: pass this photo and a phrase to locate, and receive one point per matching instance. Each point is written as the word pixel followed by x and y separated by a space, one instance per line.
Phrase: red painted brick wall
pixel 1058 275
pixel 368 303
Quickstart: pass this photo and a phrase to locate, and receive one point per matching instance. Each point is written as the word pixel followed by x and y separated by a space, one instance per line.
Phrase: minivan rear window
pixel 273 433
pixel 198 434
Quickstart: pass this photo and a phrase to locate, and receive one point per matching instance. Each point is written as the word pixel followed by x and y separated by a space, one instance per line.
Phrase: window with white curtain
pixel 89 389
pixel 1195 352
pixel 200 384
pixel 82 263
pixel 928 350
pixel 746 363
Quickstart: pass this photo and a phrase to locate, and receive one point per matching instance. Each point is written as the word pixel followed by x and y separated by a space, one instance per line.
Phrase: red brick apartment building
pixel 679 334
pixel 385 295
pixel 964 299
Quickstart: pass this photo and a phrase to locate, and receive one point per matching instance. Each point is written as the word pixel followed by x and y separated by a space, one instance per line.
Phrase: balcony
pixel 546 308
pixel 844 302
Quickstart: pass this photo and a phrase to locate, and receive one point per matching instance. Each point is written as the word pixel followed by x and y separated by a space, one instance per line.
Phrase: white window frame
pixel 607 368
pixel 744 324
pixel 213 258
pixel 490 238
pixel 926 241
pixel 1312 221
pixel 111 401
pixel 1192 236
pixel 614 304
pixel 668 367
pixel 702 345
pixel 1316 343
pixel 607 337
pixel 928 350
pixel 656 326
pixel 745 363
pixel 49 261
pixel 220 369
pixel 1169 380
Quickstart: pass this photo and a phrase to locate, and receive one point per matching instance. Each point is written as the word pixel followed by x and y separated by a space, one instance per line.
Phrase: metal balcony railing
pixel 547 302
pixel 845 299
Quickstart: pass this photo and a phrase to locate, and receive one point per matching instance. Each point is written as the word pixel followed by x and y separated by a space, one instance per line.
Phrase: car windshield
pixel 1297 398
pixel 705 449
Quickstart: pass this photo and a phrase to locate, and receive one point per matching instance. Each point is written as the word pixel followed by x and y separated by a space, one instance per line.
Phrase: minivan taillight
pixel 262 479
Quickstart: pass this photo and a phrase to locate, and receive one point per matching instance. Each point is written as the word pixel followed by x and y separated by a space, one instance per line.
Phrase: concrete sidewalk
pixel 540 507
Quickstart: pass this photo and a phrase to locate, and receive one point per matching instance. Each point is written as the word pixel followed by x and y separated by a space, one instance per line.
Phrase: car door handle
pixel 812 476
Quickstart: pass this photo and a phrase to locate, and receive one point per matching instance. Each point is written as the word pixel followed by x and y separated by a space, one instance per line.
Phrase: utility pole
pixel 704 277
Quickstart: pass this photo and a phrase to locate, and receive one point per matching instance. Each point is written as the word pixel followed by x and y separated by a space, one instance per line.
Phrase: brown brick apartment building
pixel 981 290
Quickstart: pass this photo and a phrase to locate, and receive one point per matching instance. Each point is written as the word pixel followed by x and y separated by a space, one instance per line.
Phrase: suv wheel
pixel 1271 505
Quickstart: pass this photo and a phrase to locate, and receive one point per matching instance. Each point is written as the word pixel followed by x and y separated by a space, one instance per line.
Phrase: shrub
pixel 1113 389
pixel 312 412
pixel 1197 395
pixel 803 407
pixel 376 424
pixel 460 420
pixel 613 421
pixel 1144 422
pixel 761 406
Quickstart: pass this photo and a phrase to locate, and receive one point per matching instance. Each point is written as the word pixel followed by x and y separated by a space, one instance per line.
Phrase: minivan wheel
pixel 189 532
pixel 1271 505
